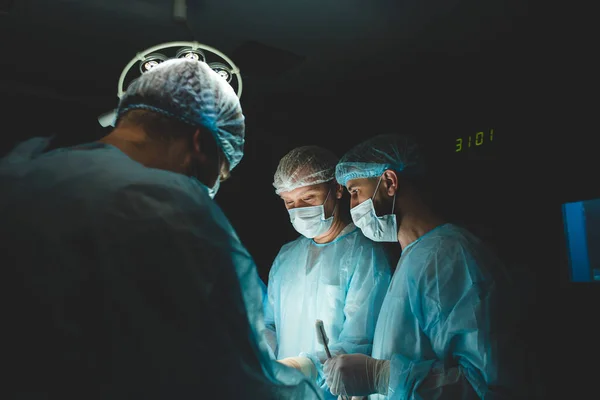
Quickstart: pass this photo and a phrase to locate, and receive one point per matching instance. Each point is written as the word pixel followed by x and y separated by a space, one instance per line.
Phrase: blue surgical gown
pixel 342 283
pixel 126 282
pixel 443 319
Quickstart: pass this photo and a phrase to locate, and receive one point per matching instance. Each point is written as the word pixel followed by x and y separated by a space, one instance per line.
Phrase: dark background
pixel 333 74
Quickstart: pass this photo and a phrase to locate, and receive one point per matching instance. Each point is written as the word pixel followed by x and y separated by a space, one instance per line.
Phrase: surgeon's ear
pixel 196 145
pixel 390 182
pixel 339 191
pixel 199 147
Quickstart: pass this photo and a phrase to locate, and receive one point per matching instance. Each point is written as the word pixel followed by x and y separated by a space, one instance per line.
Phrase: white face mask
pixel 310 221
pixel 378 229
pixel 212 192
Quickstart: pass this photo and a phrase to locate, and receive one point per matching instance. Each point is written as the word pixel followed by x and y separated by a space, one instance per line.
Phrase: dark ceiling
pixel 308 47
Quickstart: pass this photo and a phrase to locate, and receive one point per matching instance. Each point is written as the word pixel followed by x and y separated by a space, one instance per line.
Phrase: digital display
pixel 581 221
pixel 474 140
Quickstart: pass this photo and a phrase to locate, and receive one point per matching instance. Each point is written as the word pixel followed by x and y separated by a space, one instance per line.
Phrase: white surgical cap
pixel 304 166
pixel 371 158
pixel 191 92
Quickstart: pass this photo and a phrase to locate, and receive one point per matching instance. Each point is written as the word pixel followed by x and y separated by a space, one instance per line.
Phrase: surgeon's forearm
pixel 433 389
pixel 356 335
pixel 430 379
pixel 271 338
pixel 440 379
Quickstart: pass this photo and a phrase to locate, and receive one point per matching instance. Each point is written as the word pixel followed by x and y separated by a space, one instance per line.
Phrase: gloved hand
pixel 302 364
pixel 357 375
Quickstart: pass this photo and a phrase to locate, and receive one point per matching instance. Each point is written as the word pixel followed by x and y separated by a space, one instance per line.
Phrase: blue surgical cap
pixel 191 92
pixel 371 158
pixel 304 166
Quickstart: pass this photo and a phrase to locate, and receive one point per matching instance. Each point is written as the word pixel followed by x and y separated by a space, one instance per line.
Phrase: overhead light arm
pixel 180 10
pixel 108 118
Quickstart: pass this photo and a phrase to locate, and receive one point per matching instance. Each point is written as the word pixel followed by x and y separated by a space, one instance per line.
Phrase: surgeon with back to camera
pixel 126 280
pixel 332 272
pixel 446 327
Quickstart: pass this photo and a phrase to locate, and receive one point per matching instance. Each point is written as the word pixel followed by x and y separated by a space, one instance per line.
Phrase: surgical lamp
pixel 154 55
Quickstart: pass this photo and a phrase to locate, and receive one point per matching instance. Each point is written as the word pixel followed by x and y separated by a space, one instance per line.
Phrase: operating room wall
pixel 29 115
pixel 471 193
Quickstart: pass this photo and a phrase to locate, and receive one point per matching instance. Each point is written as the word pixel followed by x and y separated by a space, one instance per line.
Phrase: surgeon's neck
pixel 415 220
pixel 152 153
pixel 337 227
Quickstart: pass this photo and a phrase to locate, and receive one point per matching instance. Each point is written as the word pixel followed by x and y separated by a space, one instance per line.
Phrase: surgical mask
pixel 378 229
pixel 310 221
pixel 212 192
